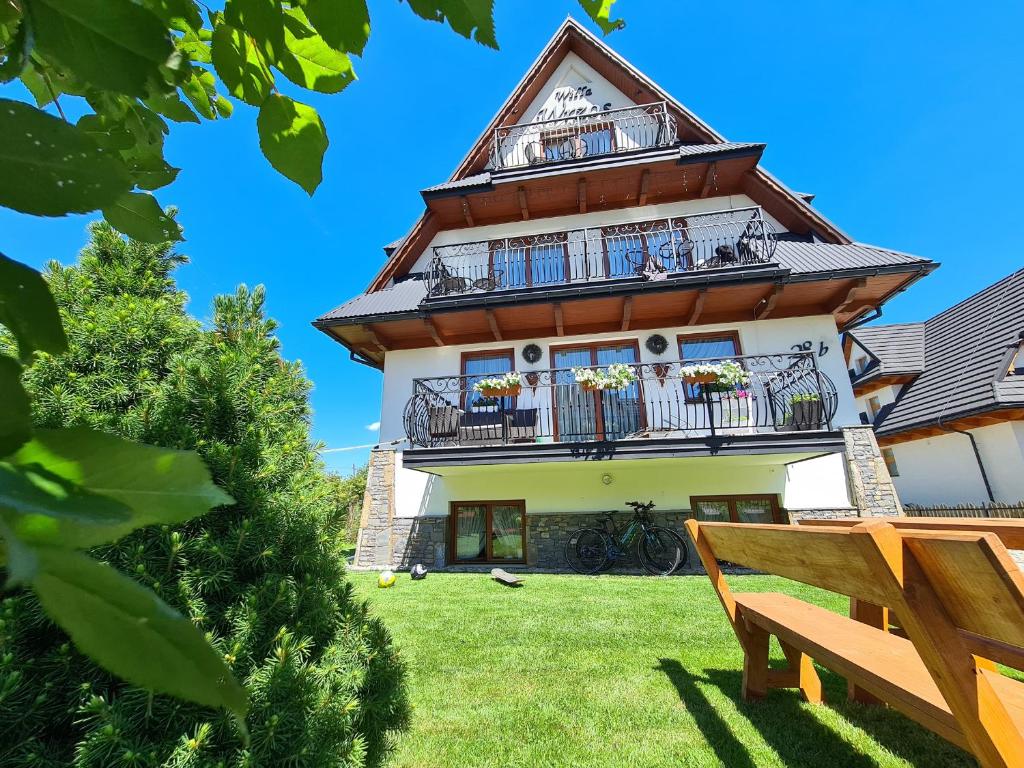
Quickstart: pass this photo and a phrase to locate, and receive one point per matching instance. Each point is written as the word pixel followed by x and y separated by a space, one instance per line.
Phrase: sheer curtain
pixel 470 536
pixel 507 529
pixel 482 366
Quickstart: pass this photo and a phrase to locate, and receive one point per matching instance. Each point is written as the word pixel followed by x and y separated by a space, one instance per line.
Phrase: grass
pixel 613 671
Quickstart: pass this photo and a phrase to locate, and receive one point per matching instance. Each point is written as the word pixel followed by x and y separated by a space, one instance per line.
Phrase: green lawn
pixel 613 671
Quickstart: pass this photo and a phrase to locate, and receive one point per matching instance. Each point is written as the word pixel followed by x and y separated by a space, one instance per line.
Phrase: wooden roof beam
pixel 493 322
pixel 523 209
pixel 769 302
pixel 374 338
pixel 710 180
pixel 698 307
pixel 581 195
pixel 559 320
pixel 466 212
pixel 435 334
pixel 627 311
pixel 645 183
pixel 841 302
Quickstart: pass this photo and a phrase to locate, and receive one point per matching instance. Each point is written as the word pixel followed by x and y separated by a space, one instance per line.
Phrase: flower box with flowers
pixel 616 376
pixel 727 374
pixel 508 385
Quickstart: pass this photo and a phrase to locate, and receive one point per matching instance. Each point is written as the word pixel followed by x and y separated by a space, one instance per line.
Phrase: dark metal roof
pixel 967 351
pixel 804 260
pixel 895 349
pixel 684 153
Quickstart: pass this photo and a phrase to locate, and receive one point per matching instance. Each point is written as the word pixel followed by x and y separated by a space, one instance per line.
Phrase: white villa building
pixel 597 221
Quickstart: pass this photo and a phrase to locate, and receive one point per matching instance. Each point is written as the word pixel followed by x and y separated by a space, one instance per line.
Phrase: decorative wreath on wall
pixel 531 353
pixel 656 343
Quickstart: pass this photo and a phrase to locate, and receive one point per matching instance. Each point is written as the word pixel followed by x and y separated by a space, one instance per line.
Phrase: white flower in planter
pixel 508 381
pixel 616 376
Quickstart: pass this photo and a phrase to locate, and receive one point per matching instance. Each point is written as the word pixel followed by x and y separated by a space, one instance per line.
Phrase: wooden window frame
pixel 508 352
pixel 453 526
pixel 704 336
pixel 599 410
pixel 732 498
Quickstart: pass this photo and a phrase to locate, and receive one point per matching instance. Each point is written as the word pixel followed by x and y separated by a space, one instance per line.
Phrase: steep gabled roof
pixel 967 349
pixel 571 36
pixel 895 349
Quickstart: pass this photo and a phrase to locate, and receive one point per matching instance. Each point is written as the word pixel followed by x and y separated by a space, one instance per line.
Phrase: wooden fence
pixel 966 510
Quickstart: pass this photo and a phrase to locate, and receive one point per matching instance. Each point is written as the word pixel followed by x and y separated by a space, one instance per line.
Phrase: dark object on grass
pixel 418 571
pixel 506 578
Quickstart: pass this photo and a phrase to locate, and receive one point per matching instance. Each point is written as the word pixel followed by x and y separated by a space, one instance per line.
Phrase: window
pixel 861 364
pixel 723 345
pixel 488 531
pixel 1017 363
pixel 755 508
pixel 480 365
pixel 602 415
pixel 890 462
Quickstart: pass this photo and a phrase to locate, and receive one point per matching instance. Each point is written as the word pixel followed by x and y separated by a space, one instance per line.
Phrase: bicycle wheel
pixel 661 551
pixel 586 551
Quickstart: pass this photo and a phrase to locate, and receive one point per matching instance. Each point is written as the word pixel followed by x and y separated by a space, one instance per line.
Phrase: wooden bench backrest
pixel 982 589
pixel 826 558
pixel 1010 532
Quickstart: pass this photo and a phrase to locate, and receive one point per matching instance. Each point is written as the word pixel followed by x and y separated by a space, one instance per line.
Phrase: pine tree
pixel 264 577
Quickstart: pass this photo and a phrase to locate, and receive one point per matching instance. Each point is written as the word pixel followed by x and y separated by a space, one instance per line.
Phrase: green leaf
pixel 223 106
pixel 293 138
pixel 40 507
pixel 240 65
pixel 343 24
pixel 473 19
pixel 108 132
pixel 197 91
pixel 171 106
pixel 176 13
pixel 129 631
pixel 139 216
pixel 28 310
pixel 152 172
pixel 15 415
pixel 159 485
pixel 69 173
pixel 194 47
pixel 9 11
pixel 111 44
pixel 600 11
pixel 33 80
pixel 308 61
pixel 262 21
pixel 14 55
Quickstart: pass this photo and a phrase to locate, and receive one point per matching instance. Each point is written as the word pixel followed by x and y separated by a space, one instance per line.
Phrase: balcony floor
pixel 794 445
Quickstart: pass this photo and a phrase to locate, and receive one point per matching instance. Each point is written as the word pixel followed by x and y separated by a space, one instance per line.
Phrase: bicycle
pixel 660 551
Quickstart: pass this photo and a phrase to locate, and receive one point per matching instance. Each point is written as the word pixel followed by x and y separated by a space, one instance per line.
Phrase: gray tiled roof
pixel 702 150
pixel 469 181
pixel 801 258
pixel 897 349
pixel 965 349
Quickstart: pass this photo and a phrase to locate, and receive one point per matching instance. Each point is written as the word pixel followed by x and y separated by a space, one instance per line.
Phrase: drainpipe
pixel 977 456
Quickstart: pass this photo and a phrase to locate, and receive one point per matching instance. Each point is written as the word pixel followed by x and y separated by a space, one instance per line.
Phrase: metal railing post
pixel 821 391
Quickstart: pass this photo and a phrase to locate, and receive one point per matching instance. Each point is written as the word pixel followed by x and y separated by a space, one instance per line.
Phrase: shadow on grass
pixel 795 735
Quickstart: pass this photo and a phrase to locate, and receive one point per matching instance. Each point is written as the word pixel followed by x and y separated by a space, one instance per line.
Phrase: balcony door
pixel 488 531
pixel 602 415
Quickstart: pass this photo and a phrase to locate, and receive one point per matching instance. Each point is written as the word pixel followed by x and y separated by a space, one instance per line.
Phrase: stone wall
pixel 374 545
pixel 871 488
pixel 419 540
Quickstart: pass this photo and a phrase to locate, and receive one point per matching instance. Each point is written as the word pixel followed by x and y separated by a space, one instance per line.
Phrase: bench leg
pixel 875 616
pixel 803 674
pixel 755 663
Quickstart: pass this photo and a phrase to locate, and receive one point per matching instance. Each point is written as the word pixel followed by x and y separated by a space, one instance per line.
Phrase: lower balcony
pixel 784 404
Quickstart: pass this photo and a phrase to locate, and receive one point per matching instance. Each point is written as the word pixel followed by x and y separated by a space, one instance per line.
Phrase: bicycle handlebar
pixel 637 506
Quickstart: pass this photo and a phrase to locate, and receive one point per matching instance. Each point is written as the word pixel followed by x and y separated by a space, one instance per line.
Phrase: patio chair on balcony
pixel 443 282
pixel 523 427
pixel 491 282
pixel 443 422
pixel 647 265
pixel 677 253
pixel 484 428
pixel 756 244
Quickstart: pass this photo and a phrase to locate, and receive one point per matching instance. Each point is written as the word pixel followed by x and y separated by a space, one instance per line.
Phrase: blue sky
pixel 903 118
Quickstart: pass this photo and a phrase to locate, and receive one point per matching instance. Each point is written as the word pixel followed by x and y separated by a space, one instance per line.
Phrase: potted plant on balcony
pixel 807 411
pixel 507 385
pixel 616 376
pixel 735 408
pixel 486 405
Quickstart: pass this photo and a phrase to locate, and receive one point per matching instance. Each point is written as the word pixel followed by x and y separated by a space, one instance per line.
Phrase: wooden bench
pixel 959 597
pixel 1009 530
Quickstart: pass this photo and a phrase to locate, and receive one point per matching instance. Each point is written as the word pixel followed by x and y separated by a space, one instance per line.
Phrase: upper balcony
pixel 629 129
pixel 648 250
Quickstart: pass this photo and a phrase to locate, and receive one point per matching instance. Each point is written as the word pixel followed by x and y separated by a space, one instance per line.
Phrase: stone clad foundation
pixel 386 541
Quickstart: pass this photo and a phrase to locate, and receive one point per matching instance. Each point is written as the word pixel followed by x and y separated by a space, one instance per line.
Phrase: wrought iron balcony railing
pixel 628 129
pixel 648 250
pixel 784 392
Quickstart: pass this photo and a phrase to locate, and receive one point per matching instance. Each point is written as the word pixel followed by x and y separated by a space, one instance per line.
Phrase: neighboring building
pixel 596 221
pixel 946 398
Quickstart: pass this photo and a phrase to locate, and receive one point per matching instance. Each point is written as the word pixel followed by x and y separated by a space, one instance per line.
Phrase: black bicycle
pixel 660 551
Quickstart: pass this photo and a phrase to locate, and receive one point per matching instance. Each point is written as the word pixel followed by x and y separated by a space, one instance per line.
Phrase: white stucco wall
pixel 943 469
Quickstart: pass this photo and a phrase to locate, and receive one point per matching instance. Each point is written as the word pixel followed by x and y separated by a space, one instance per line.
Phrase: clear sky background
pixel 904 118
